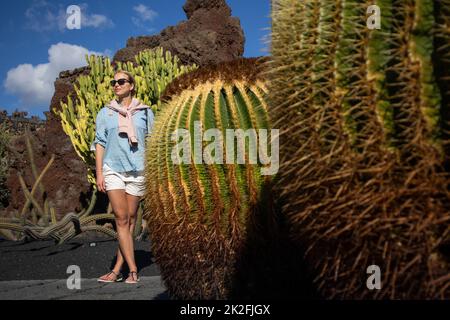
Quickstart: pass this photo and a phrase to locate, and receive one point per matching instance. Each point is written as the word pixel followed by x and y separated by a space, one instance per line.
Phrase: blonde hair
pixel 130 78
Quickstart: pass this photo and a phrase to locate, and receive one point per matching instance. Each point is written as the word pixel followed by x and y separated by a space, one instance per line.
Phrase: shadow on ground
pixel 40 260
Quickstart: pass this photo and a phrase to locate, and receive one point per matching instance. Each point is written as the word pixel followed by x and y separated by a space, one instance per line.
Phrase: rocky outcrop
pixel 210 35
pixel 19 121
pixel 65 182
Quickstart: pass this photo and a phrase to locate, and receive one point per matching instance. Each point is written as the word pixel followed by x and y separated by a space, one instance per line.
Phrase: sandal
pixel 134 279
pixel 107 278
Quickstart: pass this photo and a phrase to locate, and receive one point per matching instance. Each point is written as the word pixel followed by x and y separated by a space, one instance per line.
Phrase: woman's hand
pixel 101 182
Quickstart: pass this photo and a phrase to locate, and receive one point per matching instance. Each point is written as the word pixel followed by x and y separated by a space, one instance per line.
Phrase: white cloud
pixel 43 16
pixel 144 15
pixel 34 85
pixel 94 20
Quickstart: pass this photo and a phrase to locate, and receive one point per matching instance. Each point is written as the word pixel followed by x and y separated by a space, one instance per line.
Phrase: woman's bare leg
pixel 119 203
pixel 133 205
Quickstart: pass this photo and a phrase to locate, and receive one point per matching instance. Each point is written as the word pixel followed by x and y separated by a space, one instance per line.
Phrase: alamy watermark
pixel 73 20
pixel 374 20
pixel 74 280
pixel 190 149
pixel 374 280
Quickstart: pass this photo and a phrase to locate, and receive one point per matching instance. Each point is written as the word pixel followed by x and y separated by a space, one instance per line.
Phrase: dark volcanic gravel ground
pixel 40 260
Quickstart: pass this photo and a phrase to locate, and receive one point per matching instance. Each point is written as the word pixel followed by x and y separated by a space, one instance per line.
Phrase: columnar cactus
pixel 200 211
pixel 153 70
pixel 364 116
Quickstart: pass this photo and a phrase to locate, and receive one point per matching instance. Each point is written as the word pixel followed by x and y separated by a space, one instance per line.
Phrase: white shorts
pixel 133 182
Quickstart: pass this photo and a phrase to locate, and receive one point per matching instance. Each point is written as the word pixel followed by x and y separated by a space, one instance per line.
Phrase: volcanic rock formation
pixel 210 35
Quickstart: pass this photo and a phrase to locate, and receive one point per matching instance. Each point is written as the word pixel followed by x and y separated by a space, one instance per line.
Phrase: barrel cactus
pixel 153 70
pixel 363 115
pixel 204 215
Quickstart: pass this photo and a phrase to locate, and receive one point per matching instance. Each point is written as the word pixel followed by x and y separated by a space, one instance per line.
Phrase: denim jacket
pixel 119 155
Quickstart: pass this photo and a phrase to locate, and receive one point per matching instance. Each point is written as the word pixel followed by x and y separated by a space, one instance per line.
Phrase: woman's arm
pixel 99 151
pixel 98 145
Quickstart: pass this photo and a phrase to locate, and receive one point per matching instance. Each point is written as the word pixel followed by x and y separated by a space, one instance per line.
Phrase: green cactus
pixel 199 213
pixel 365 120
pixel 68 227
pixel 154 69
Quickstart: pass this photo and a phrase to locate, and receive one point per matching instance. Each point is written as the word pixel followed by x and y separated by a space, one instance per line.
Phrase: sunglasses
pixel 121 82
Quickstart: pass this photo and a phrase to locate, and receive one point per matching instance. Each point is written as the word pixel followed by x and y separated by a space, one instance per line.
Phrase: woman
pixel 119 145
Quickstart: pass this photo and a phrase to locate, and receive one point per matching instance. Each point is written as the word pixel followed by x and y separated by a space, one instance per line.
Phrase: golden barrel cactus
pixel 210 221
pixel 363 115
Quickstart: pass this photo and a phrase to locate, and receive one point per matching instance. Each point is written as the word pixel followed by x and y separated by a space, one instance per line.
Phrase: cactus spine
pixel 365 117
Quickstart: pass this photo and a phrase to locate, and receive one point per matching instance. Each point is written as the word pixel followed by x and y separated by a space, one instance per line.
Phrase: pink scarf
pixel 126 124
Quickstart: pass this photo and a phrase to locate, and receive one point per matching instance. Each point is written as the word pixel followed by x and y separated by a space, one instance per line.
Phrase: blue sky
pixel 35 44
